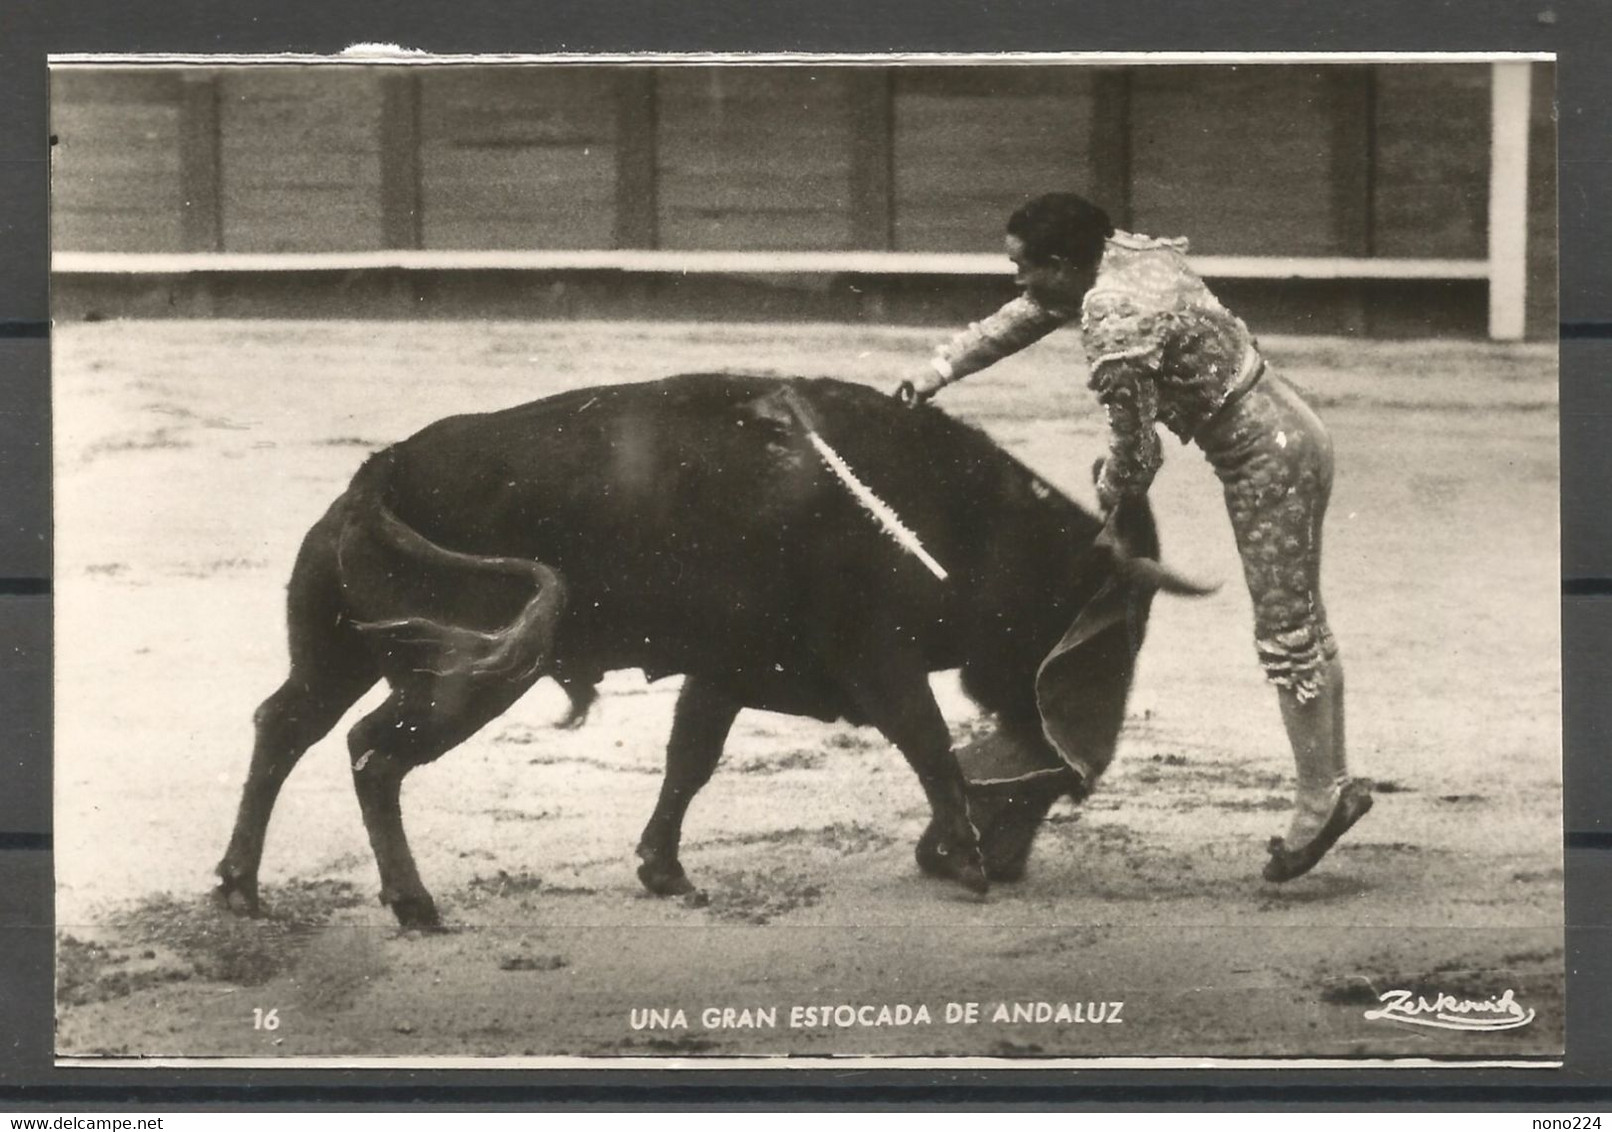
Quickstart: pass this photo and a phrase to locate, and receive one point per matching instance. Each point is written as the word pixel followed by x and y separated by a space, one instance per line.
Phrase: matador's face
pixel 1056 283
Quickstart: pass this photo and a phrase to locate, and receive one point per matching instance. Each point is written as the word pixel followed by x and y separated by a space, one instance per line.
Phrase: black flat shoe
pixel 1352 804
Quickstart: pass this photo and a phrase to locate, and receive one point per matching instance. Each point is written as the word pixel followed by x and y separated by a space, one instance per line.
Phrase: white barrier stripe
pixel 1510 100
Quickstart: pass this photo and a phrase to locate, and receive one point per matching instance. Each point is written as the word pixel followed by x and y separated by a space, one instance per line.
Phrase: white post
pixel 1508 200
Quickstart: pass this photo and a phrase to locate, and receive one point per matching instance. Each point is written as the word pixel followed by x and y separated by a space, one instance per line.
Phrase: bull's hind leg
pixel 704 715
pixel 300 713
pixel 423 719
pixel 330 669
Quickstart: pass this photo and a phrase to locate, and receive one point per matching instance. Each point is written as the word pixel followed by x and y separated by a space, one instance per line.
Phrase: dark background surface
pixel 1576 29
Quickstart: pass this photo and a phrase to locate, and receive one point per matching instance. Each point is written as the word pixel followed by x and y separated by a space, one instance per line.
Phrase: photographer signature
pixel 1446 1012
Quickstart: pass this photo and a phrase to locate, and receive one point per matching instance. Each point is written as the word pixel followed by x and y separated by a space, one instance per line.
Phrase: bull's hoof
pixel 931 859
pixel 236 901
pixel 416 912
pixel 236 894
pixel 939 859
pixel 665 880
pixel 575 716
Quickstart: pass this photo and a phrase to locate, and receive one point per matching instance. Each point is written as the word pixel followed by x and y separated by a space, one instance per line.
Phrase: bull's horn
pixel 1155 575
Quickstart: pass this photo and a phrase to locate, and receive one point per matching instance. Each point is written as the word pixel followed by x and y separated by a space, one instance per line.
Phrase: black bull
pixel 688 526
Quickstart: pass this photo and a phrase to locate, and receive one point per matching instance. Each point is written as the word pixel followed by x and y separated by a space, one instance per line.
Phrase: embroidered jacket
pixel 1161 349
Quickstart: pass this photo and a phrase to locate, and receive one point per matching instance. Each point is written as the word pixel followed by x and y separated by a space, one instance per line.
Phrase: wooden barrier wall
pixel 1382 159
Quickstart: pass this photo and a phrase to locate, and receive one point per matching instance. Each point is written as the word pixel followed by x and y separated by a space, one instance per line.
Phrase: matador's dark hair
pixel 1061 224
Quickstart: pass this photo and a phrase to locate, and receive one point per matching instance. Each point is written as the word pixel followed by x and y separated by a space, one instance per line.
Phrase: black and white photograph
pixel 778 561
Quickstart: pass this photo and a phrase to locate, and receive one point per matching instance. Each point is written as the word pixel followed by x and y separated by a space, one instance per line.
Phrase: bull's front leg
pixel 893 689
pixel 700 725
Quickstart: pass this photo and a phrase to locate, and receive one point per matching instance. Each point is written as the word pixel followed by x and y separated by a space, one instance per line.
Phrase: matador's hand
pixel 1107 537
pixel 910 395
pixel 1106 502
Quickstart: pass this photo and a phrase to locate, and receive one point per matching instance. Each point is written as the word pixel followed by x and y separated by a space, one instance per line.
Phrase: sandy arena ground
pixel 191 457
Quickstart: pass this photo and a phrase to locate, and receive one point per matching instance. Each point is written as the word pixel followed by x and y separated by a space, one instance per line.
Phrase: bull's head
pixel 1080 688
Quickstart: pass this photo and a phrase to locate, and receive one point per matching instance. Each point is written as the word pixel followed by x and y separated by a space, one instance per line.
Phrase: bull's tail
pixel 432 643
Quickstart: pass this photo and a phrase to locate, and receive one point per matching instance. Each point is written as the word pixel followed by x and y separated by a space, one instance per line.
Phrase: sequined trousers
pixel 1273 457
